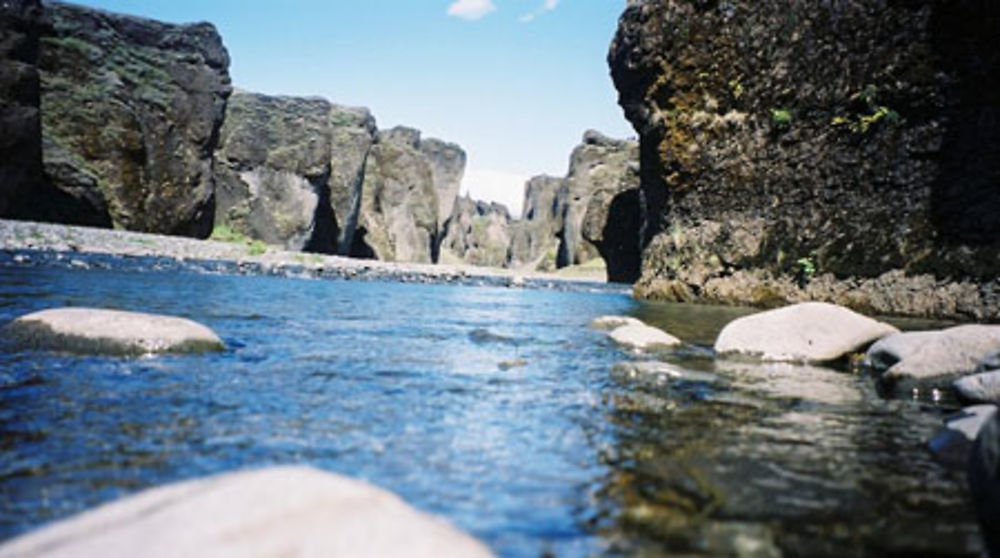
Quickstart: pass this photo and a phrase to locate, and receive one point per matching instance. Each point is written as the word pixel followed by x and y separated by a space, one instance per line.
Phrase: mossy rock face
pixel 477 233
pixel 880 157
pixel 131 110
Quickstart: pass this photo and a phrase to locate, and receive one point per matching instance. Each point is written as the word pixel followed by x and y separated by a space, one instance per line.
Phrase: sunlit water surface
pixel 496 408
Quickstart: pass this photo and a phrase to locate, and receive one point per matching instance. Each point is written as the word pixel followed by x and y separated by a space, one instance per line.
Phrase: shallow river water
pixel 496 408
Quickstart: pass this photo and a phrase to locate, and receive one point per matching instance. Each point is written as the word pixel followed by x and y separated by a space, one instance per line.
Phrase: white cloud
pixel 472 9
pixel 499 186
pixel 547 6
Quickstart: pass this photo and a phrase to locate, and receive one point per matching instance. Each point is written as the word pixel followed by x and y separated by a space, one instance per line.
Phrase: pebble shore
pixel 23 242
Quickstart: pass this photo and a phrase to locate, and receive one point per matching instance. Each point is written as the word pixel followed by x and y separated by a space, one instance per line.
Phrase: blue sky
pixel 515 82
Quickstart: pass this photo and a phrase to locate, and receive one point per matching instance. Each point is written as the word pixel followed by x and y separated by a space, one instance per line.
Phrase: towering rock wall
pixel 20 120
pixel 534 239
pixel 847 151
pixel 131 110
pixel 477 233
pixel 399 219
pixel 273 171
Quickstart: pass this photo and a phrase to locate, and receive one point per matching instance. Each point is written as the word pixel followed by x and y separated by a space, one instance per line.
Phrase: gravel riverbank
pixel 23 242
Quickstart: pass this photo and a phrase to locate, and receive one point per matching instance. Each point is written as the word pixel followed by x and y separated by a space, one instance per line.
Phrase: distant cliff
pixel 843 151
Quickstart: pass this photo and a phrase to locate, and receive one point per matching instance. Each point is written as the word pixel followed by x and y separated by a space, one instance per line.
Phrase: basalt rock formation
pixel 840 151
pixel 565 221
pixel 290 170
pixel 20 120
pixel 477 233
pixel 534 239
pixel 399 219
pixel 130 110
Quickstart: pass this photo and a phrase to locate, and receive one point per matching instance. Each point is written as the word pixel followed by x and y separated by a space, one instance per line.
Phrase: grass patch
pixel 225 233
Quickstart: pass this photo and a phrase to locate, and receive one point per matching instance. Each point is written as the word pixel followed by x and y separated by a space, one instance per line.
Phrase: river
pixel 497 408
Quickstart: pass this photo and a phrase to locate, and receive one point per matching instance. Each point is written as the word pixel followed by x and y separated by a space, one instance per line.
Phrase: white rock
pixel 611 322
pixel 98 331
pixel 643 337
pixel 932 358
pixel 982 388
pixel 807 332
pixel 281 511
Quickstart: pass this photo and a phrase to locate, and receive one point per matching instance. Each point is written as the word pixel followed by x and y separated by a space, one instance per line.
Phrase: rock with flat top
pixel 280 511
pixel 112 332
pixel 643 337
pixel 807 332
pixel 612 322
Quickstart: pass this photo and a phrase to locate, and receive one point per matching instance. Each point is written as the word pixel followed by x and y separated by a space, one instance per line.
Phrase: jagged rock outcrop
pixel 273 171
pixel 534 238
pixel 447 168
pixel 781 142
pixel 290 170
pixel 564 220
pixel 477 233
pixel 399 204
pixel 598 164
pixel 20 121
pixel 131 110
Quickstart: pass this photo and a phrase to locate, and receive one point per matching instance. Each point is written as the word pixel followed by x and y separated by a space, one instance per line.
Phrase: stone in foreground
pixel 281 511
pixel 114 332
pixel 643 337
pixel 984 482
pixel 807 332
pixel 931 359
pixel 953 443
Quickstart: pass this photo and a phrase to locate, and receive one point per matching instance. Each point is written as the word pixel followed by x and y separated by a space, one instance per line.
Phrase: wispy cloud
pixel 473 9
pixel 547 6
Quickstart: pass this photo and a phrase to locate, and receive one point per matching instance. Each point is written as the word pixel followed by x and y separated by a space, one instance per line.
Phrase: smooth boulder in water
pixel 111 332
pixel 280 511
pixel 608 323
pixel 953 443
pixel 806 332
pixel 931 359
pixel 984 482
pixel 643 337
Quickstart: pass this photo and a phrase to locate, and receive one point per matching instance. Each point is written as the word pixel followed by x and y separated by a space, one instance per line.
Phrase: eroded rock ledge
pixel 843 151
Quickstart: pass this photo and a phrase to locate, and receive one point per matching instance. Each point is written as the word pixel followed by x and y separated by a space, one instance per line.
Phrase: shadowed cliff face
pixel 131 110
pixel 289 170
pixel 858 137
pixel 477 233
pixel 20 124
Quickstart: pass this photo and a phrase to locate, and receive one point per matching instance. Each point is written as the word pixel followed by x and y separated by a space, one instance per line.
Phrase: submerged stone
pixel 286 511
pixel 807 332
pixel 114 332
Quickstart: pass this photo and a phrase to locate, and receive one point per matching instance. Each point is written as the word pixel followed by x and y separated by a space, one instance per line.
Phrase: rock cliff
pixel 130 111
pixel 289 170
pixel 399 218
pixel 477 233
pixel 20 120
pixel 534 239
pixel 842 151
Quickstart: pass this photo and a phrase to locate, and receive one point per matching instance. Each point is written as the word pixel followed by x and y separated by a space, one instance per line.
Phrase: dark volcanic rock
pixel 858 139
pixel 606 171
pixel 131 110
pixel 447 167
pixel 534 239
pixel 353 133
pixel 20 123
pixel 476 233
pixel 398 219
pixel 984 482
pixel 273 171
